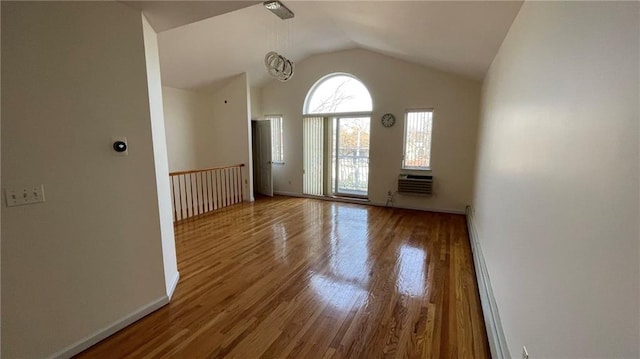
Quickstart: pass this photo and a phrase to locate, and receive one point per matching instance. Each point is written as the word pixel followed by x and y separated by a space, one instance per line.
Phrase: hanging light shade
pixel 278 66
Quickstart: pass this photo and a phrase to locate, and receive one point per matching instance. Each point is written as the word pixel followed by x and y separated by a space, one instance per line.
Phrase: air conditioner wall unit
pixel 415 184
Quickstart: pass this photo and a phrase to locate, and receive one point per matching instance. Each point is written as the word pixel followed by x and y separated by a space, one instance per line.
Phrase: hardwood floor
pixel 304 278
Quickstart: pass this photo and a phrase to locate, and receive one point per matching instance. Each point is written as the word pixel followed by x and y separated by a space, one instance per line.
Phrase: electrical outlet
pixel 525 353
pixel 24 195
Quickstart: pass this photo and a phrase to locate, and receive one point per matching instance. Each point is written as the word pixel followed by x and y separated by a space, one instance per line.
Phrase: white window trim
pixel 404 139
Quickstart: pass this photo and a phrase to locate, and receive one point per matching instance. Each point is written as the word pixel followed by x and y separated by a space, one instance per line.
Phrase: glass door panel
pixel 350 154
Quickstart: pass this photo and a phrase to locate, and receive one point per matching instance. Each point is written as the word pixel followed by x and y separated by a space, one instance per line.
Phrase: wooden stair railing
pixel 197 192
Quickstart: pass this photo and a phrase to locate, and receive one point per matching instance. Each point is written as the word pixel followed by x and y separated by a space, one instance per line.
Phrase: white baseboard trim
pixel 495 334
pixel 94 338
pixel 428 209
pixel 291 194
pixel 366 202
pixel 174 284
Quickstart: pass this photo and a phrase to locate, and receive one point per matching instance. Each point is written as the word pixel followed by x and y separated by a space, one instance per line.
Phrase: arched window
pixel 338 93
pixel 337 123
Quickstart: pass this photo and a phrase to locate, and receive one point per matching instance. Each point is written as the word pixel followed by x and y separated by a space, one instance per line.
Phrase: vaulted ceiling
pixel 165 15
pixel 455 36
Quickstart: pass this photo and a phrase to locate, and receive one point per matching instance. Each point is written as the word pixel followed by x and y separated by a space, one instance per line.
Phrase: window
pixel 337 117
pixel 417 139
pixel 338 93
pixel 277 139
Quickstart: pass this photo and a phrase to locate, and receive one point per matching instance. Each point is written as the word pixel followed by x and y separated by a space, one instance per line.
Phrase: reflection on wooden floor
pixel 304 278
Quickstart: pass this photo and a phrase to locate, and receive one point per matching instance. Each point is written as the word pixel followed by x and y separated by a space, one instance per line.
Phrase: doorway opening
pixel 262 157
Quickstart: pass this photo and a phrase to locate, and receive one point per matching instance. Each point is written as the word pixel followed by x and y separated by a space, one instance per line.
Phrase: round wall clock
pixel 388 119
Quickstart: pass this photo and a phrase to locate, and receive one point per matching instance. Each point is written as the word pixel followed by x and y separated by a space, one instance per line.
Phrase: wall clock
pixel 388 119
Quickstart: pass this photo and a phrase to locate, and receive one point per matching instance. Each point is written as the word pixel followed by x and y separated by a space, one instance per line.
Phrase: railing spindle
pixel 232 179
pixel 206 177
pixel 223 186
pixel 231 194
pixel 213 196
pixel 214 181
pixel 198 194
pixel 201 192
pixel 193 213
pixel 240 197
pixel 173 200
pixel 236 184
pixel 218 195
pixel 241 185
pixel 178 204
pixel 193 207
pixel 180 197
pixel 228 180
pixel 186 197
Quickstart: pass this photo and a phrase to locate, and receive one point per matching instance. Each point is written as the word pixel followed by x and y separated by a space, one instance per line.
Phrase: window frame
pixel 404 139
pixel 279 118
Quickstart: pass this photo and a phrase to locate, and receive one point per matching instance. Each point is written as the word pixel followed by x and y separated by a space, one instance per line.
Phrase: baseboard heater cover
pixel 415 184
pixel 495 334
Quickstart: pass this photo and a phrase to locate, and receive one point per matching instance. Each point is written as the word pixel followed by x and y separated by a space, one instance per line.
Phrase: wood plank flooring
pixel 304 278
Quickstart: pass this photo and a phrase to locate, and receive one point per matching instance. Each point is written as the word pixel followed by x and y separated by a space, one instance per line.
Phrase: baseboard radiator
pixel 495 335
pixel 415 185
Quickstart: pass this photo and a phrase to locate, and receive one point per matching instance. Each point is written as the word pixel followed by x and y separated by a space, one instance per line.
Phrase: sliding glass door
pixel 350 156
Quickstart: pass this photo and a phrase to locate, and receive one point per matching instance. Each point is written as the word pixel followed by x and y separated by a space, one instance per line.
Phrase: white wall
pixel 0 188
pixel 183 111
pixel 556 197
pixel 161 163
pixel 210 129
pixel 74 76
pixel 231 128
pixel 256 103
pixel 395 86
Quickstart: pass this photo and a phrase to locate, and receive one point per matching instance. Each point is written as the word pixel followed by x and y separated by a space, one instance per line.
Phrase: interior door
pixel 262 157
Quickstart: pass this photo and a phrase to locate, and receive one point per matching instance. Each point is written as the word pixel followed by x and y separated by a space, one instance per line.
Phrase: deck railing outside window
pixel 354 173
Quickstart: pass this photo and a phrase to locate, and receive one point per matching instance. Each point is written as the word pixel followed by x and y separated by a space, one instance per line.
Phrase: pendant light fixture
pixel 277 65
pixel 279 9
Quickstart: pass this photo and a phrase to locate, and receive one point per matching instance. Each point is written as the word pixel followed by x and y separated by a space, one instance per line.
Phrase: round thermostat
pixel 388 120
pixel 120 146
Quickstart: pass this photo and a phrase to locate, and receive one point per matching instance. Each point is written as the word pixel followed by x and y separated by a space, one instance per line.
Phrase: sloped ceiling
pixel 166 15
pixel 454 36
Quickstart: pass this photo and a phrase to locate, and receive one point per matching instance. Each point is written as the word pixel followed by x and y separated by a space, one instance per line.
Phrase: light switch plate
pixel 19 196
